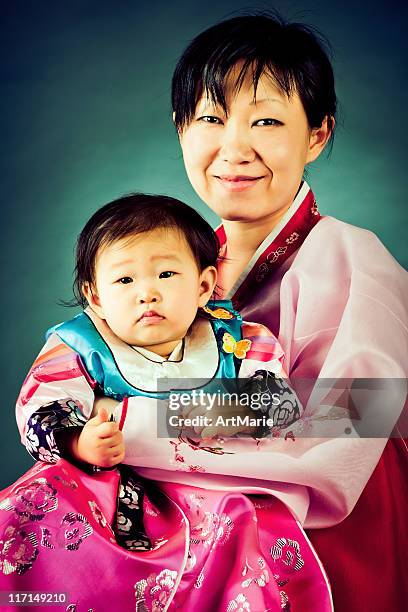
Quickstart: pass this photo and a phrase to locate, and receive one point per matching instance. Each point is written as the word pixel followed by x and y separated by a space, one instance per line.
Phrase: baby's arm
pixel 54 409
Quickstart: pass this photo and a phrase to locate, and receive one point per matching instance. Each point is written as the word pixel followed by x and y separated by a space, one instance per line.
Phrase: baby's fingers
pixel 107 430
pixel 111 456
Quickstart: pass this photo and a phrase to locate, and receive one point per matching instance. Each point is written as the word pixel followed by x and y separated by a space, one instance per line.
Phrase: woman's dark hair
pixel 136 214
pixel 296 56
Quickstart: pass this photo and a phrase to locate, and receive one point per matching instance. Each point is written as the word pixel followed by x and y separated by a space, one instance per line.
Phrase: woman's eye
pixel 268 121
pixel 210 119
pixel 125 280
pixel 166 274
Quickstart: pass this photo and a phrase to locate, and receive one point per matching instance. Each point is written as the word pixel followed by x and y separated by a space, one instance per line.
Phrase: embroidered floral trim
pixel 285 413
pixel 239 604
pixel 179 460
pixel 207 528
pixel 130 532
pixel 98 514
pixel 199 581
pixel 280 581
pixel 42 424
pixel 77 529
pixel 70 484
pixel 129 495
pixel 259 575
pixel 46 538
pixel 32 501
pixel 262 271
pixel 271 258
pixel 274 255
pixel 155 591
pixel 285 605
pixel 279 250
pixel 292 238
pixel 314 209
pixel 286 554
pixel 138 545
pixel 18 550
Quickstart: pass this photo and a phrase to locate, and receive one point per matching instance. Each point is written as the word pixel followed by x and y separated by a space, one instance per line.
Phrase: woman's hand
pixel 227 425
pixel 100 441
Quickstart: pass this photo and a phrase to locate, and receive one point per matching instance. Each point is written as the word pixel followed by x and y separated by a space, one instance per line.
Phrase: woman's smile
pixel 238 182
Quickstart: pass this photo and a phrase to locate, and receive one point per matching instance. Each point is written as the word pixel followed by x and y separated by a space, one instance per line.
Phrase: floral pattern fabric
pixel 210 550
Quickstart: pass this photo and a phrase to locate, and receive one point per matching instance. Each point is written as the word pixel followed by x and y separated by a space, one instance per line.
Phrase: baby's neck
pixel 163 350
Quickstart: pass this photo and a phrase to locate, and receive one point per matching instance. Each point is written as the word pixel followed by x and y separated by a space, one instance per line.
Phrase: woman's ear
pixel 179 132
pixel 91 296
pixel 319 138
pixel 208 280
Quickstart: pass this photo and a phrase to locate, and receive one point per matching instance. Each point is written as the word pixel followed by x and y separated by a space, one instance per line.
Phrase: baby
pixel 145 272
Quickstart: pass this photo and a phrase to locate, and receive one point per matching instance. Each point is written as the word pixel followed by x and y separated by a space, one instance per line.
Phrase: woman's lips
pixel 150 317
pixel 238 182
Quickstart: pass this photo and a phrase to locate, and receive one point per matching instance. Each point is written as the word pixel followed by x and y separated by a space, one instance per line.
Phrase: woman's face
pixel 247 165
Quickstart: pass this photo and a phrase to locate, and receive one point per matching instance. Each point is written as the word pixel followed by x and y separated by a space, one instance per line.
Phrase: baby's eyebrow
pixel 125 262
pixel 119 264
pixel 165 256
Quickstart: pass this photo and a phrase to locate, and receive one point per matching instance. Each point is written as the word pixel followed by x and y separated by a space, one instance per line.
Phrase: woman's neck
pixel 243 240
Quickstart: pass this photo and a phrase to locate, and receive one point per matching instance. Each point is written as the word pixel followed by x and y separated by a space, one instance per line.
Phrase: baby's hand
pixel 100 441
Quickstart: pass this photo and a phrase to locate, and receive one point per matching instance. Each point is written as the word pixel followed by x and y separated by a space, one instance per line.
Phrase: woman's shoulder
pixel 339 261
pixel 333 241
pixel 341 231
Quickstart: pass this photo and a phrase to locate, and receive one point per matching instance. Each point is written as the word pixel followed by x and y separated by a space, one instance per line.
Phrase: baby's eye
pixel 267 121
pixel 210 119
pixel 125 280
pixel 167 274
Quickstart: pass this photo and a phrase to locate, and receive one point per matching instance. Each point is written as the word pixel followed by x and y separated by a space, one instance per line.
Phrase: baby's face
pixel 149 287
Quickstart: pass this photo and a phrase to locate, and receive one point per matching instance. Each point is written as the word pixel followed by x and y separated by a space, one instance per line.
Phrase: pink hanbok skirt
pixel 210 550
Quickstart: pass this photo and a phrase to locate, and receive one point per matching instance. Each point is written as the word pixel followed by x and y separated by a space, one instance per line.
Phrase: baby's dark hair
pixel 296 56
pixel 134 214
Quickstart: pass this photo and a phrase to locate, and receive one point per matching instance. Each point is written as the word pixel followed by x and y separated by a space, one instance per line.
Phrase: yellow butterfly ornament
pixel 218 313
pixel 230 345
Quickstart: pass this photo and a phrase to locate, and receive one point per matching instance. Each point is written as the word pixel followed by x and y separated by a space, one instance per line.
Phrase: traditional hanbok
pixel 337 301
pixel 221 528
pixel 192 524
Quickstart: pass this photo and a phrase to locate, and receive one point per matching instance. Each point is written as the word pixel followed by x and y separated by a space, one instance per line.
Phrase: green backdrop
pixel 86 116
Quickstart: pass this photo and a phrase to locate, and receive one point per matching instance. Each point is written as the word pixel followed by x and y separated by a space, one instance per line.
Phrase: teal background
pixel 85 107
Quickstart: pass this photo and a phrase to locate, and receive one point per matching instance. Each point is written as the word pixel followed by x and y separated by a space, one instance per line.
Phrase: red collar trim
pixel 283 246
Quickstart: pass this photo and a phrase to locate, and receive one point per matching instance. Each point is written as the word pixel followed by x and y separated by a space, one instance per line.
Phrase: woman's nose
pixel 235 145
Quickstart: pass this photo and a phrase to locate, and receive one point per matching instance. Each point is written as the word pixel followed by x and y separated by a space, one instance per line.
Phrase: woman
pixel 252 185
pixel 254 102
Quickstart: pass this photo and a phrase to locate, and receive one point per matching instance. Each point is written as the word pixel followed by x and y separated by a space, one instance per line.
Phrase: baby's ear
pixel 91 296
pixel 208 281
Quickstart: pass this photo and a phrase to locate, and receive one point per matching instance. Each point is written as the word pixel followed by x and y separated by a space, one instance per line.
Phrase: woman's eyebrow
pixel 257 101
pixel 208 104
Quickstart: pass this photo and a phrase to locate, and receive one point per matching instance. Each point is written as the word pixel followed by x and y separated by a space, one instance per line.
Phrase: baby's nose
pixel 147 298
